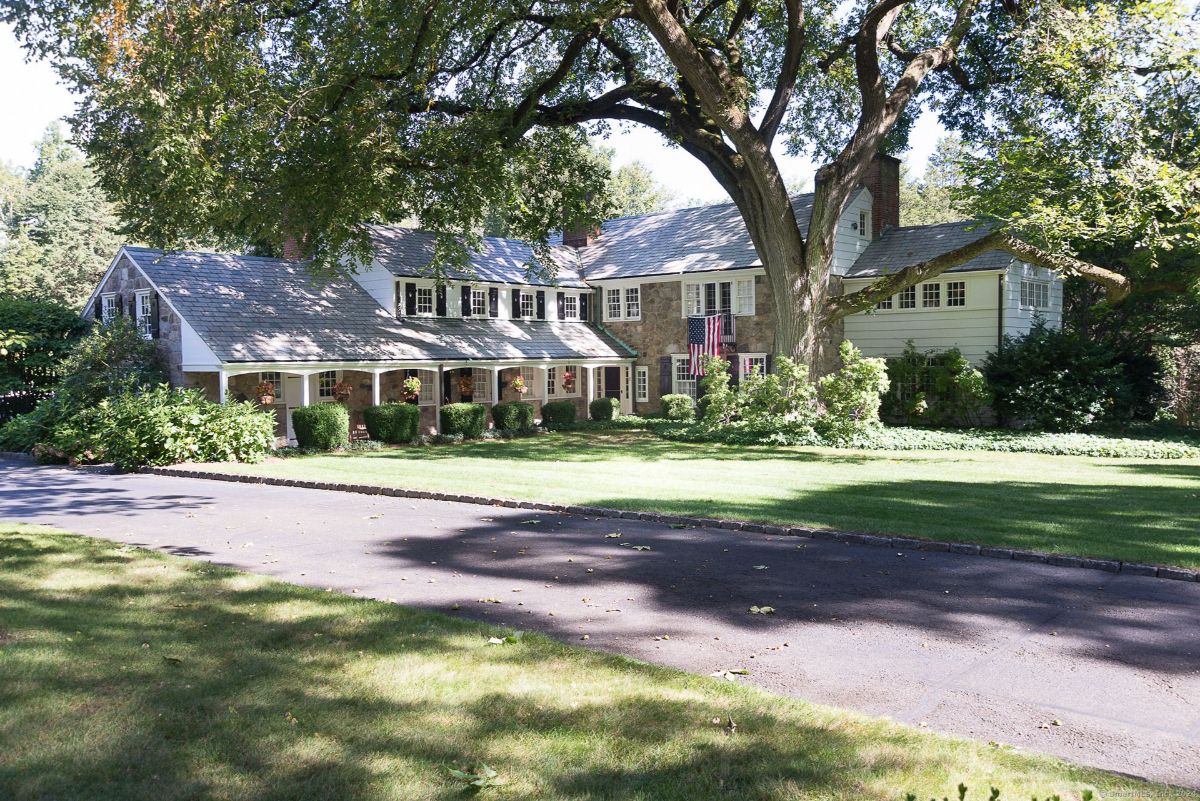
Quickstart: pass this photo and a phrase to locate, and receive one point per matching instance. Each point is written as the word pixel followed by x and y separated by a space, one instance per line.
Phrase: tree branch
pixel 785 83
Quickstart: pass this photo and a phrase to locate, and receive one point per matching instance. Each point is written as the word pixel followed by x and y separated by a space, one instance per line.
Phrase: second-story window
pixel 908 298
pixel 108 307
pixel 479 303
pixel 142 314
pixel 633 303
pixel 424 300
pixel 571 307
pixel 614 304
pixel 527 304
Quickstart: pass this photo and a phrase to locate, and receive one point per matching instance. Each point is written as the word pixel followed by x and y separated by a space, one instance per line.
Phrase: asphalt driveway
pixel 1098 668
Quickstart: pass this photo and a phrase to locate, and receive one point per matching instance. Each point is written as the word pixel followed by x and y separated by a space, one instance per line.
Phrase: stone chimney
pixel 883 181
pixel 580 236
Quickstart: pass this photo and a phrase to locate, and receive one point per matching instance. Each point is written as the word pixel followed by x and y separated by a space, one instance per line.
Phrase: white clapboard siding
pixel 848 245
pixel 1019 319
pixel 973 329
pixel 379 283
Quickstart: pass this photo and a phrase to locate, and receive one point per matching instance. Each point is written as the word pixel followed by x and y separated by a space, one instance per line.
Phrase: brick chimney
pixel 580 236
pixel 883 181
pixel 293 248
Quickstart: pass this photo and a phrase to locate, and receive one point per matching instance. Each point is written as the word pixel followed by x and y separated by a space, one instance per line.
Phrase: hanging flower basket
pixel 412 388
pixel 342 391
pixel 265 392
pixel 466 385
pixel 518 385
pixel 568 382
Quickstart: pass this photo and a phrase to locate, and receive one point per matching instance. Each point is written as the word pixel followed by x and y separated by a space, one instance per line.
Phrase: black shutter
pixel 118 306
pixel 541 304
pixel 440 294
pixel 735 370
pixel 466 301
pixel 493 302
pixel 665 382
pixel 133 307
pixel 767 369
pixel 154 321
pixel 516 311
pixel 585 303
pixel 410 298
pixel 98 314
pixel 562 305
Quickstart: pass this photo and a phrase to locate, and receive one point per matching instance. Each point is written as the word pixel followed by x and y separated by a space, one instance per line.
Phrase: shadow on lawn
pixel 331 703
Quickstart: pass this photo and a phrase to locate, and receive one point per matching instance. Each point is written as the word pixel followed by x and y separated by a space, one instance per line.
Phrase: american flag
pixel 704 339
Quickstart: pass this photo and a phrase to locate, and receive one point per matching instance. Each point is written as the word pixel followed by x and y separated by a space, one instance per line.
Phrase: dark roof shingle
pixel 898 248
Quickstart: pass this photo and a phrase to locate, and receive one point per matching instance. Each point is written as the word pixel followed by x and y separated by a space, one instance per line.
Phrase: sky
pixel 32 97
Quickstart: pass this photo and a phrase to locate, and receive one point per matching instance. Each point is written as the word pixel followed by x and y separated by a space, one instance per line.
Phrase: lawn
pixel 1133 510
pixel 134 675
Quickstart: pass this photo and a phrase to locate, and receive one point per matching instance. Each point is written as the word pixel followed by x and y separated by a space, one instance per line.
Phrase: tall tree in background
pixel 262 119
pixel 59 228
pixel 930 199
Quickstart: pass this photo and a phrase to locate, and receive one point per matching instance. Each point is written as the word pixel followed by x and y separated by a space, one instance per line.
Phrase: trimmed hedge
pixel 325 426
pixel 513 416
pixel 394 423
pixel 679 407
pixel 558 413
pixel 604 408
pixel 465 419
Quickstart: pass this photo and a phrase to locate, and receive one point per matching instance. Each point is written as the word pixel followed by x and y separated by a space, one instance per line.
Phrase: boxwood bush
pixel 679 407
pixel 325 426
pixel 394 423
pixel 467 420
pixel 604 408
pixel 513 416
pixel 558 413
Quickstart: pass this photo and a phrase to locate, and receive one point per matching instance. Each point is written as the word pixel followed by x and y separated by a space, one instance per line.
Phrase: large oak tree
pixel 256 120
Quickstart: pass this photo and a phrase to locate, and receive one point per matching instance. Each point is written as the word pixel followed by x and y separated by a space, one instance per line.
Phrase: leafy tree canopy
pixel 929 199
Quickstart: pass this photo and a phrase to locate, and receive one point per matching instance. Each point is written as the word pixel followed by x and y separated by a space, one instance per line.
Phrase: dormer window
pixel 864 225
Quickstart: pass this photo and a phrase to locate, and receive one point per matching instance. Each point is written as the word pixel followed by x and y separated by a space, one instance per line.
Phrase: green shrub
pixel 110 361
pixel 35 336
pixel 1055 380
pixel 718 404
pixel 604 408
pixel 394 423
pixel 679 407
pixel 513 416
pixel 325 426
pixel 21 433
pixel 851 396
pixel 786 395
pixel 559 413
pixel 932 388
pixel 467 420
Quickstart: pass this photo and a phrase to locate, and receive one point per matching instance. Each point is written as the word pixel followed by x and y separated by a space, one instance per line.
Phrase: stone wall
pixel 125 280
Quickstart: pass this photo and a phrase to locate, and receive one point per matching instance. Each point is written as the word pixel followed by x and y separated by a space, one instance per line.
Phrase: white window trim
pixel 627 303
pixel 677 387
pixel 1034 288
pixel 532 304
pixel 476 292
pixel 947 302
pixel 641 384
pixel 428 379
pixel 108 307
pixel 142 309
pixel 926 296
pixel 864 224
pixel 277 382
pixel 321 396
pixel 432 301
pixel 533 380
pixel 488 380
pixel 736 296
pixel 568 300
pixel 739 309
pixel 745 359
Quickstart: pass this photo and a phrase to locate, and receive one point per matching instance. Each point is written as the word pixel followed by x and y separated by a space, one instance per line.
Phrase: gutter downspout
pixel 1000 310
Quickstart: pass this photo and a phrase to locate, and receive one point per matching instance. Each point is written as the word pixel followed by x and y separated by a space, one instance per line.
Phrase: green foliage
pixel 58 232
pixel 323 425
pixel 558 414
pixel 513 416
pixel 679 407
pixel 930 199
pixel 1056 380
pixel 466 420
pixel 1183 385
pixel 393 423
pixel 35 336
pixel 785 395
pixel 21 433
pixel 851 396
pixel 111 360
pixel 604 408
pixel 994 795
pixel 718 403
pixel 932 388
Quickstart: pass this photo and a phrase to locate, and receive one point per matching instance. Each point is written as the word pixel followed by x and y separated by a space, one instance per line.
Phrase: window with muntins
pixel 752 362
pixel 424 300
pixel 908 298
pixel 551 378
pixel 428 379
pixel 641 384
pixel 956 293
pixel 613 297
pixel 108 307
pixel 863 225
pixel 1035 294
pixel 481 385
pixel 479 303
pixel 527 304
pixel 685 383
pixel 141 311
pixel 745 297
pixel 633 303
pixel 275 380
pixel 931 296
pixel 884 304
pixel 571 307
pixel 325 382
pixel 693 301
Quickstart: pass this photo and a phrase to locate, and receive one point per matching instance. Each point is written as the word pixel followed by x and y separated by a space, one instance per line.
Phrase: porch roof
pixel 251 309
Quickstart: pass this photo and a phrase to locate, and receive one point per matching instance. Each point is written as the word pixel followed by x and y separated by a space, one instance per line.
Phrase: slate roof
pixel 407 252
pixel 251 309
pixel 897 248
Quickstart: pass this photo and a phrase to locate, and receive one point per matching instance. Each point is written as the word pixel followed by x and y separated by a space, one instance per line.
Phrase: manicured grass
pixel 1134 510
pixel 133 675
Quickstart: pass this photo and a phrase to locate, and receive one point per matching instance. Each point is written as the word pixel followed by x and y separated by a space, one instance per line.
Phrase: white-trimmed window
pixel 693 300
pixel 481 385
pixel 1035 294
pixel 428 379
pixel 551 377
pixel 752 362
pixel 571 307
pixel 528 309
pixel 684 382
pixel 735 297
pixel 885 304
pixel 613 297
pixel 479 303
pixel 743 303
pixel 633 303
pixel 532 377
pixel 931 296
pixel 424 300
pixel 908 298
pixel 108 307
pixel 864 225
pixel 275 379
pixel 142 308
pixel 956 293
pixel 325 382
pixel 641 384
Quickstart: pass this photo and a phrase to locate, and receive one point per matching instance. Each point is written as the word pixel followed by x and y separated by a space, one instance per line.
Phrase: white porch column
pixel 591 383
pixel 437 398
pixel 496 385
pixel 545 383
pixel 222 385
pixel 375 389
pixel 305 390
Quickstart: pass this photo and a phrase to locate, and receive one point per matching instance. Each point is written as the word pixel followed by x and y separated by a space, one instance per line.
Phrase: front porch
pixel 488 383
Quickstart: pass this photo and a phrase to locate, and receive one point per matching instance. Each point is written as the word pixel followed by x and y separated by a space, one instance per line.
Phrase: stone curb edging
pixel 850 537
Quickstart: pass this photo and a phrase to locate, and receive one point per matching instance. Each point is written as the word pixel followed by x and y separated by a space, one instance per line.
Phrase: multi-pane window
pixel 275 380
pixel 1035 294
pixel 108 308
pixel 142 314
pixel 481 385
pixel 613 297
pixel 931 296
pixel 693 300
pixel 428 379
pixel 527 304
pixel 571 307
pixel 754 363
pixel 424 300
pixel 325 382
pixel 641 384
pixel 956 293
pixel 862 224
pixel 714 297
pixel 685 382
pixel 479 303
pixel 908 298
pixel 551 378
pixel 532 377
pixel 633 303
pixel 884 304
pixel 745 296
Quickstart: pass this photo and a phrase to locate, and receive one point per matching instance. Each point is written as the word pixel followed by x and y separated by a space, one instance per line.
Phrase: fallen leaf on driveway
pixel 490 601
pixel 760 567
pixel 762 610
pixel 641 547
pixel 612 536
pixel 729 675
